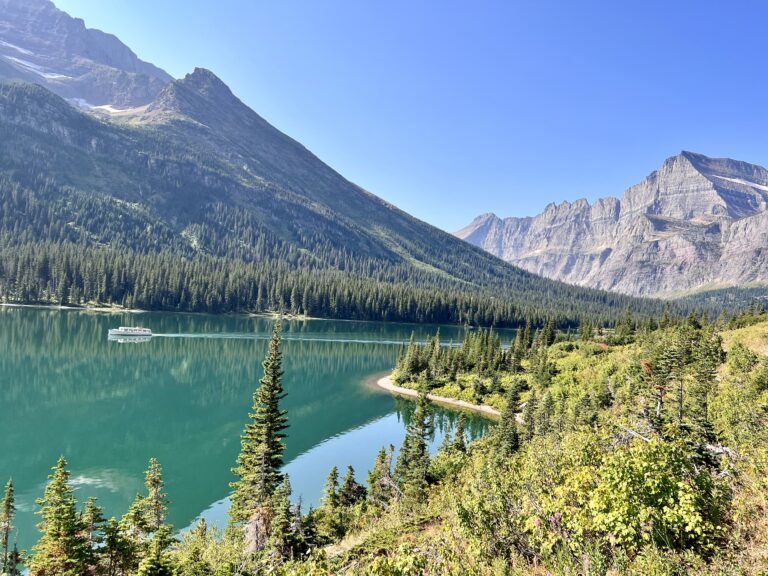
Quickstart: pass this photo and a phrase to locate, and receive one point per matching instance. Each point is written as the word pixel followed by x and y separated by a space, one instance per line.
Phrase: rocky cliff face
pixel 39 43
pixel 696 222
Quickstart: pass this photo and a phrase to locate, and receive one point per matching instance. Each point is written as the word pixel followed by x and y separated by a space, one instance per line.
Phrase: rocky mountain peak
pixel 41 44
pixel 695 221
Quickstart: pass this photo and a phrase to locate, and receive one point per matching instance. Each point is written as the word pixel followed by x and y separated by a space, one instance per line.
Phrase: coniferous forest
pixel 640 450
pixel 105 214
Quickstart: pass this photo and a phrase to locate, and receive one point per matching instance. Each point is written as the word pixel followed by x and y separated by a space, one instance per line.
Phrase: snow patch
pixel 39 70
pixel 17 48
pixel 80 103
pixel 744 182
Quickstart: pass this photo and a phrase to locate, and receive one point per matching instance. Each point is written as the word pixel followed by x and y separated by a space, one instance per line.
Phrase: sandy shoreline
pixel 385 383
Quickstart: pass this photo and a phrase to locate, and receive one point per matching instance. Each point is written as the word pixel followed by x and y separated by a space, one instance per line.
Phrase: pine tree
pixel 192 562
pixel 14 562
pixel 282 525
pixel 707 356
pixel 92 521
pixel 459 441
pixel 546 411
pixel 7 512
pixel 351 492
pixel 156 501
pixel 529 416
pixel 261 454
pixel 62 549
pixel 330 498
pixel 133 529
pixel 508 435
pixel 412 465
pixel 118 551
pixel 158 562
pixel 380 482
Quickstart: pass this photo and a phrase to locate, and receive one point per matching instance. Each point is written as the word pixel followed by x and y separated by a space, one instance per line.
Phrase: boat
pixel 129 332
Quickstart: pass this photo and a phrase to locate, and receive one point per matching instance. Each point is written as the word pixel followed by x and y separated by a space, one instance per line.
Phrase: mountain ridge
pixel 44 45
pixel 694 222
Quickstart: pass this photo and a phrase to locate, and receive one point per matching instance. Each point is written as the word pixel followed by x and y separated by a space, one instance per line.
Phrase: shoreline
pixel 385 383
pixel 113 310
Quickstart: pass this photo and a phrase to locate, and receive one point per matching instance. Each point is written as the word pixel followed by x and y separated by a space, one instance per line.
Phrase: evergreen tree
pixel 459 441
pixel 156 501
pixel 351 492
pixel 707 356
pixel 14 562
pixel 261 454
pixel 508 435
pixel 412 465
pixel 380 481
pixel 62 549
pixel 282 527
pixel 92 521
pixel 118 551
pixel 546 411
pixel 7 512
pixel 330 498
pixel 158 562
pixel 192 562
pixel 529 416
pixel 132 532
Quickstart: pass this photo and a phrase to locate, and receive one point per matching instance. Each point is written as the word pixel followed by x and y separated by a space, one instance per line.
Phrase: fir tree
pixel 351 492
pixel 118 551
pixel 508 435
pixel 412 465
pixel 459 443
pixel 193 562
pixel 261 454
pixel 330 498
pixel 7 512
pixel 282 526
pixel 529 416
pixel 62 549
pixel 380 482
pixel 14 562
pixel 158 562
pixel 156 501
pixel 92 520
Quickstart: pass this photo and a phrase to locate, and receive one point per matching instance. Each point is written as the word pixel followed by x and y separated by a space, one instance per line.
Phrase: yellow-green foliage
pixel 601 491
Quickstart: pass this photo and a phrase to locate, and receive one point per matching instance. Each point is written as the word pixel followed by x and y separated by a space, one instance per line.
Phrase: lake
pixel 183 398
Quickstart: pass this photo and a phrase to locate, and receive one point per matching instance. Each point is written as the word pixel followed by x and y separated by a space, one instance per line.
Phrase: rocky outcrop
pixel 696 222
pixel 41 44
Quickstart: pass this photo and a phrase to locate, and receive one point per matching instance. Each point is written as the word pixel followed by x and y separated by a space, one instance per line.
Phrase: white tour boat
pixel 130 332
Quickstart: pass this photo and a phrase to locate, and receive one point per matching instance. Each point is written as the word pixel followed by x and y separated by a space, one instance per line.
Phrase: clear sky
pixel 451 108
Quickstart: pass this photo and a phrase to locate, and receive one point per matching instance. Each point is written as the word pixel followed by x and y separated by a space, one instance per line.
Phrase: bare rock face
pixel 696 222
pixel 41 44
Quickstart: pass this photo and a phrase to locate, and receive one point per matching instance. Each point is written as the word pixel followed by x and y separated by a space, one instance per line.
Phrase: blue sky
pixel 449 108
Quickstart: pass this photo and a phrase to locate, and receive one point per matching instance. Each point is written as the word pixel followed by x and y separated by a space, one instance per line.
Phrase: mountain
pixel 189 200
pixel 696 223
pixel 39 43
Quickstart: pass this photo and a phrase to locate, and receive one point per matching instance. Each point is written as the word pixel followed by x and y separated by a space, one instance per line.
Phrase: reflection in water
pixel 109 407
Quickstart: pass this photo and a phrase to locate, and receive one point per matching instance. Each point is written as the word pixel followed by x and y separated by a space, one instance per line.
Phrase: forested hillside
pixel 195 203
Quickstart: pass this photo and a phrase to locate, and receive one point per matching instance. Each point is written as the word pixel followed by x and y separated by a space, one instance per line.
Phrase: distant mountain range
pixel 696 223
pixel 153 179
